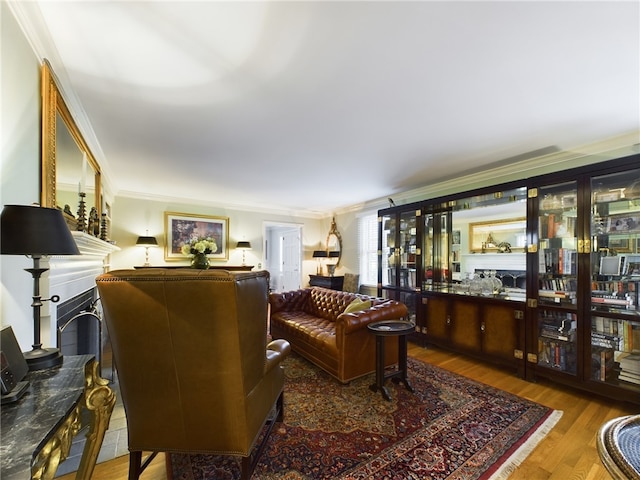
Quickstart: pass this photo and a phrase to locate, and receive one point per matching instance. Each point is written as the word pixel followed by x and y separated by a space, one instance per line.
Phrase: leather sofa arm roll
pixel 388 310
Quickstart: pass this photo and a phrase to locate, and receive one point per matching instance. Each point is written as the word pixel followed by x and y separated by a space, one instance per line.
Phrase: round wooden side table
pixel 391 328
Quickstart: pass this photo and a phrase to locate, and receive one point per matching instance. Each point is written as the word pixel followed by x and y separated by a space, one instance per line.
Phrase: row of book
pixel 615 287
pixel 615 349
pixel 622 335
pixel 603 364
pixel 622 294
pixel 608 365
pixel 557 354
pixel 558 325
pixel 630 367
pixel 558 261
pixel 557 296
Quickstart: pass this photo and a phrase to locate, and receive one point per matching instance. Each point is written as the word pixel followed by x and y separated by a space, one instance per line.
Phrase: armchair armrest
pixel 277 351
pixel 351 322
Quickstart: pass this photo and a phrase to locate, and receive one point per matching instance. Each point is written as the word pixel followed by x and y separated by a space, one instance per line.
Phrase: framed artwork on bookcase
pixel 624 223
pixel 632 265
pixel 621 244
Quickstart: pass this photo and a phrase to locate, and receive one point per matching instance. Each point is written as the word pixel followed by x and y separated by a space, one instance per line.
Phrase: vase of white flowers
pixel 200 248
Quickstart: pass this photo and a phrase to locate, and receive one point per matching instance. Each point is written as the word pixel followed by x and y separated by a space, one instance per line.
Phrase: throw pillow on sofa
pixel 357 305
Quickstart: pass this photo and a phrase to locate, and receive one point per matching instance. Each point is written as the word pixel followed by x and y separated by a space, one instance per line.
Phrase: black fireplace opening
pixel 80 329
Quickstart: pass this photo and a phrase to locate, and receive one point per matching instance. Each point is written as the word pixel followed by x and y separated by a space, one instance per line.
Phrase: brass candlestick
pixel 82 213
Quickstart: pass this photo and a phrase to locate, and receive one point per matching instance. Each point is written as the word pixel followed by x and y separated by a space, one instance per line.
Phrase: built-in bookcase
pixel 614 341
pixel 542 275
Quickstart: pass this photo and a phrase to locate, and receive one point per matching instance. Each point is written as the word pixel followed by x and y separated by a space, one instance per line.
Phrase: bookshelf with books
pixel 567 244
pixel 557 340
pixel 615 279
pixel 584 319
pixel 557 244
pixel 400 228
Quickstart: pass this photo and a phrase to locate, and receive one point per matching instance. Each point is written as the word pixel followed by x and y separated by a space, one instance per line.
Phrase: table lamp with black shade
pixel 244 246
pixel 36 232
pixel 319 254
pixel 146 241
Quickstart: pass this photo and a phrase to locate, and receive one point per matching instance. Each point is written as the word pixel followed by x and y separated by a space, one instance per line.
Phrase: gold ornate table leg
pixel 57 448
pixel 99 399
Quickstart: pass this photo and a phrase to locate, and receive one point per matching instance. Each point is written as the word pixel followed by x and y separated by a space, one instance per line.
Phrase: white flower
pixel 200 245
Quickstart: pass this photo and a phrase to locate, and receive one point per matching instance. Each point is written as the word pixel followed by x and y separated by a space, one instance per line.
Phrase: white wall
pixel 133 217
pixel 20 184
pixel 19 164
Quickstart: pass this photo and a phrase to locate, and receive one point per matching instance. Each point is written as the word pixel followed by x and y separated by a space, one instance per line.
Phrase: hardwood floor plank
pixel 567 453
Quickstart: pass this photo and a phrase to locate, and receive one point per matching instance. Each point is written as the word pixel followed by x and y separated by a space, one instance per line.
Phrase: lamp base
pixel 43 358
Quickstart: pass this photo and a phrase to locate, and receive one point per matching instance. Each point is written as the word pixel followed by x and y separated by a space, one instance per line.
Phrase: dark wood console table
pixel 231 268
pixel 37 430
pixel 334 283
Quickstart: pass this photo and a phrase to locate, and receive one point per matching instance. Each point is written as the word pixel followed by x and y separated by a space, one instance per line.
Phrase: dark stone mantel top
pixel 30 422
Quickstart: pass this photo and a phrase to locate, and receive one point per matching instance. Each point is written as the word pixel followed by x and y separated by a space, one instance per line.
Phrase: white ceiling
pixel 316 106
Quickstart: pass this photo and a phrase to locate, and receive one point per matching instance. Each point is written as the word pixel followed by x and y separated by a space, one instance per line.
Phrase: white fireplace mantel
pixel 72 275
pixel 90 245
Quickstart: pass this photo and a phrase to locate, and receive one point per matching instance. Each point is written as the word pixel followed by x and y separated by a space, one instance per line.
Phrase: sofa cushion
pixel 319 332
pixel 357 305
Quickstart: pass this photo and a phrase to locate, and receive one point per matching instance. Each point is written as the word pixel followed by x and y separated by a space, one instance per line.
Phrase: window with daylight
pixel 368 248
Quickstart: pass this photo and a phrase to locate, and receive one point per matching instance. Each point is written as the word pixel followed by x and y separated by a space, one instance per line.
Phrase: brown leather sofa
pixel 195 371
pixel 313 322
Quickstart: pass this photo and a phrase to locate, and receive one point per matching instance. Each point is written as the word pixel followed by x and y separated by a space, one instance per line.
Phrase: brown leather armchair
pixel 195 371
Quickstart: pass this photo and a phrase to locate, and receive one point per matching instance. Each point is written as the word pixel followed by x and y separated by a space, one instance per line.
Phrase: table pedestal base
pixel 400 375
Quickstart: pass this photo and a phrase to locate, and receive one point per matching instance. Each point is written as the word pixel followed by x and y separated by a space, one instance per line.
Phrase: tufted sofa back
pixel 320 302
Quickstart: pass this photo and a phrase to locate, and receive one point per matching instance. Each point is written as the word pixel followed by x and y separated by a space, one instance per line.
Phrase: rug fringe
pixel 527 447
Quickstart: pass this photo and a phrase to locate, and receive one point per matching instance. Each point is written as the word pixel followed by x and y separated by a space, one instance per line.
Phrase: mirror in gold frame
pixel 503 236
pixel 68 166
pixel 334 243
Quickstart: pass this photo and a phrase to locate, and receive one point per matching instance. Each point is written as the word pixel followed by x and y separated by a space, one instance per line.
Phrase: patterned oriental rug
pixel 450 428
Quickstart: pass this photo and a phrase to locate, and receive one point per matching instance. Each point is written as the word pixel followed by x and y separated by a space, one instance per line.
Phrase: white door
pixel 283 255
pixel 291 260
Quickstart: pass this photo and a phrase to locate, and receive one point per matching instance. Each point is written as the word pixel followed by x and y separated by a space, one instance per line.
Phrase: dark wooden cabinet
pixel 334 283
pixel 437 319
pixel 484 328
pixel 569 260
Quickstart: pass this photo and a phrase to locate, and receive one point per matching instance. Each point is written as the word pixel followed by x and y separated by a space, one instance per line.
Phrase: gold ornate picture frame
pixel 485 237
pixel 181 228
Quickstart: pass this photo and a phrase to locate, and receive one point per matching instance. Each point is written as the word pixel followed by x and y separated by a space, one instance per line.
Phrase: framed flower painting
pixel 182 229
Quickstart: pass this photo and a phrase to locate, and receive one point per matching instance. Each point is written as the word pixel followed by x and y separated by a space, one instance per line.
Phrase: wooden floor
pixel 568 452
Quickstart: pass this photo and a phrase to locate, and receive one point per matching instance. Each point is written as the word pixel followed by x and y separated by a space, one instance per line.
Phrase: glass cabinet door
pixel 615 279
pixel 427 250
pixel 436 249
pixel 558 245
pixel 388 250
pixel 557 279
pixel 399 249
pixel 408 250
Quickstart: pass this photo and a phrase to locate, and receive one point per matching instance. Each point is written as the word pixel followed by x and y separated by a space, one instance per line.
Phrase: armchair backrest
pixel 190 350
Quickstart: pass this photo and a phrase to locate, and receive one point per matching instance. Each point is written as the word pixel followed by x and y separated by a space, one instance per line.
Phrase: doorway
pixel 283 255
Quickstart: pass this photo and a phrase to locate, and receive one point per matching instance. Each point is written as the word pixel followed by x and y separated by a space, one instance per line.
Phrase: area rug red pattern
pixel 450 428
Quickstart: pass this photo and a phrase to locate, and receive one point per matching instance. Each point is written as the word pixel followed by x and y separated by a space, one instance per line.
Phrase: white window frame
pixel 368 248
